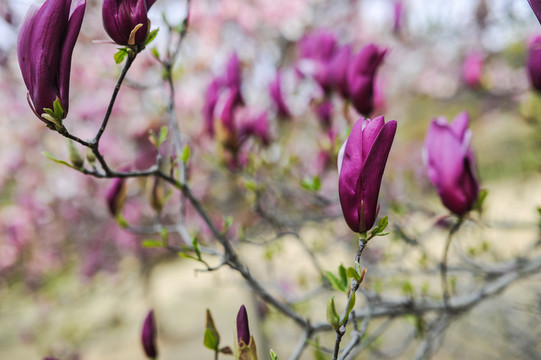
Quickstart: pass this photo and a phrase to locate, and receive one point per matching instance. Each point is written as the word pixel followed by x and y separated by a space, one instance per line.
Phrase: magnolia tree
pixel 249 160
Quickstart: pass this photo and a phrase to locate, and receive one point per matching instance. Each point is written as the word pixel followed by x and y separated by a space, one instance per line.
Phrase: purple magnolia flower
pixel 44 49
pixel 536 7
pixel 338 70
pixel 148 336
pixel 316 51
pixel 233 72
pixel 318 45
pixel 258 127
pixel 533 62
pixel 398 14
pixel 361 162
pixel 243 330
pixel 451 164
pixel 361 73
pixel 125 21
pixel 472 69
pixel 275 90
pixel 211 99
pixel 115 196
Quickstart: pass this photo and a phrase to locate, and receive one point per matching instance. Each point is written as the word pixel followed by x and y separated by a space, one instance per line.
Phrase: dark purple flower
pixel 243 330
pixel 361 73
pixel 361 163
pixel 122 17
pixel 115 196
pixel 533 62
pixel 451 164
pixel 275 89
pixel 44 49
pixel 148 336
pixel 472 70
pixel 536 7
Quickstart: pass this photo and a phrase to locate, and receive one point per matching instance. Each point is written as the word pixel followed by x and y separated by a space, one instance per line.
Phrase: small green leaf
pixel 311 184
pixel 151 243
pixel 155 53
pixel 228 221
pixel 351 273
pixel 407 288
pixel 120 55
pixel 351 304
pixel 335 282
pixel 123 223
pixel 195 245
pixel 332 316
pixel 212 337
pixel 343 275
pixel 483 193
pixel 151 36
pixel 50 156
pixel 378 230
pixel 163 135
pixel 186 153
pixel 58 110
pixel 273 355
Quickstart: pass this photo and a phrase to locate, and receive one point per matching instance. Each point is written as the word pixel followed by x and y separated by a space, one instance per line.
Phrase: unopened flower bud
pixel 148 336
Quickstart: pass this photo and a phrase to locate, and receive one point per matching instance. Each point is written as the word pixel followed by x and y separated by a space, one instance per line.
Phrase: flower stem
pixel 352 290
pixel 443 267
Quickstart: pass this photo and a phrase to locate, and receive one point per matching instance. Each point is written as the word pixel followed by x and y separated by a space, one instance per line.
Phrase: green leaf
pixel 58 110
pixel 155 53
pixel 228 221
pixel 351 273
pixel 121 221
pixel 407 288
pixel 313 184
pixel 273 355
pixel 351 304
pixel 483 193
pixel 163 135
pixel 335 282
pixel 378 230
pixel 195 245
pixel 212 337
pixel 151 36
pixel 343 275
pixel 186 153
pixel 151 243
pixel 332 316
pixel 120 55
pixel 50 156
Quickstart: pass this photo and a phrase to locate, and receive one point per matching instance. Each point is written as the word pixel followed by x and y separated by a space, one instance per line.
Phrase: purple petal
pixel 243 330
pixel 148 336
pixel 74 26
pixel 373 169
